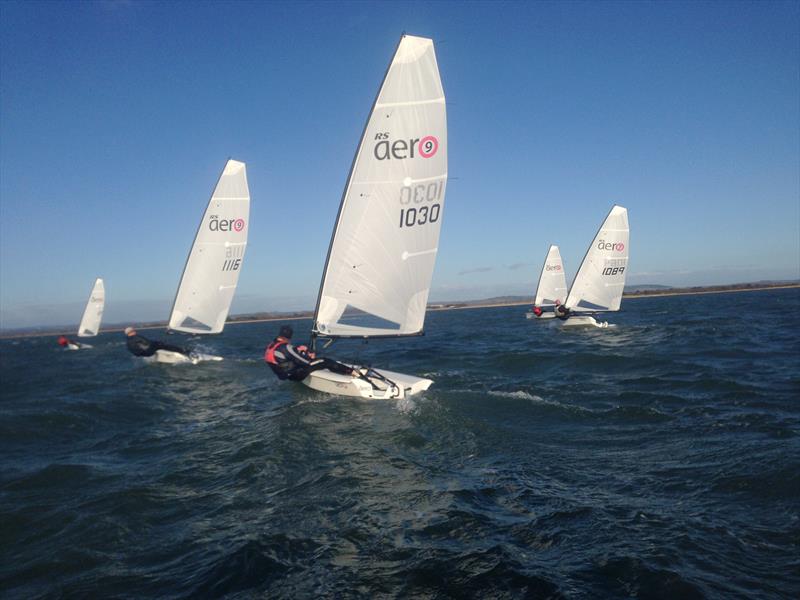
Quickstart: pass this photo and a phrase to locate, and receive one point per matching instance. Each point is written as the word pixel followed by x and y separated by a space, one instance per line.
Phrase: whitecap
pixel 519 394
pixel 406 406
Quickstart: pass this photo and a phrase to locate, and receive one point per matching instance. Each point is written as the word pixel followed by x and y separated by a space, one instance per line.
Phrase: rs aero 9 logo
pixel 615 246
pixel 386 149
pixel 217 224
pixel 553 268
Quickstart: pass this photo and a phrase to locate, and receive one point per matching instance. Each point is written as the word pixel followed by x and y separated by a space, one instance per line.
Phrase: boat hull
pixel 546 315
pixel 77 346
pixel 176 358
pixel 583 321
pixel 399 386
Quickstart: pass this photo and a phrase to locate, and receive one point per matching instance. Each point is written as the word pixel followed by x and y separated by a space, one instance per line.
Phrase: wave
pixel 521 395
pixel 656 460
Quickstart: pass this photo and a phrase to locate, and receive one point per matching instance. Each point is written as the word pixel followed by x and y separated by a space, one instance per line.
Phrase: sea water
pixel 658 458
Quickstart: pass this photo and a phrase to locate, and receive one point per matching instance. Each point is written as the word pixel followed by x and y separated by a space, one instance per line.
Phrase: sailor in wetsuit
pixel 64 341
pixel 562 312
pixel 140 346
pixel 296 362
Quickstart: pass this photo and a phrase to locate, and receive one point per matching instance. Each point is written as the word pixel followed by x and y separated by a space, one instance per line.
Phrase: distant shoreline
pixel 435 308
pixel 683 292
pixel 628 296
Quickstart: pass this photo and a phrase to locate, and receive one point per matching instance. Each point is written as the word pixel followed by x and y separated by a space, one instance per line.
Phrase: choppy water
pixel 658 459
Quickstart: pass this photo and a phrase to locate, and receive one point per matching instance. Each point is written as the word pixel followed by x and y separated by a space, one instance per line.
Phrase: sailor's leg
pixel 170 348
pixel 336 367
pixel 298 373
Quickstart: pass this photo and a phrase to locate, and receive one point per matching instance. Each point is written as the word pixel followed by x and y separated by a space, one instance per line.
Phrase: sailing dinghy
pixel 552 288
pixel 92 315
pixel 380 262
pixel 215 260
pixel 600 281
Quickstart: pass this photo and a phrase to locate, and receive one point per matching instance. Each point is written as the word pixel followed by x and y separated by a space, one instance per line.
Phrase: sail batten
pixel 410 180
pixel 212 269
pixel 600 281
pixel 392 206
pixel 411 103
pixel 93 313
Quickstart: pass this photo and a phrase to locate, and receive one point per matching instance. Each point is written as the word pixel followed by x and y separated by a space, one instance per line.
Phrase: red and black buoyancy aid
pixel 269 353
pixel 279 359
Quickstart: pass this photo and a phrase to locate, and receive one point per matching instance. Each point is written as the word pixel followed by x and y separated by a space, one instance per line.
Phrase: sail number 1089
pixel 423 194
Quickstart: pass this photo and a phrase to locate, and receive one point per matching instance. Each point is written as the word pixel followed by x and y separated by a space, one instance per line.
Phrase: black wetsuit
pixel 141 346
pixel 562 312
pixel 288 362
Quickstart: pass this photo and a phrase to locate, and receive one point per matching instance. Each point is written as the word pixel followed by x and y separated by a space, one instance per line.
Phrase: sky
pixel 116 119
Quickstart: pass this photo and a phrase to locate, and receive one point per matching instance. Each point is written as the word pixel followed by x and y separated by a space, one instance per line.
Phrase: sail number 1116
pixel 423 194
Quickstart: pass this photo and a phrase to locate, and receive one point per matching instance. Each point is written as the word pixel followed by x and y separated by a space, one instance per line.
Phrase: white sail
pixel 93 313
pixel 552 281
pixel 600 281
pixel 215 260
pixel 383 250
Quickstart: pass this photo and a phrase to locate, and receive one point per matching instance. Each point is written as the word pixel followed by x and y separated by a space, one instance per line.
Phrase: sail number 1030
pixel 419 216
pixel 426 194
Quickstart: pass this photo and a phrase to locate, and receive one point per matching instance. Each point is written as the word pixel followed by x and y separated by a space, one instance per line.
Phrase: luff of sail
pixel 383 249
pixel 212 270
pixel 600 281
pixel 552 281
pixel 93 313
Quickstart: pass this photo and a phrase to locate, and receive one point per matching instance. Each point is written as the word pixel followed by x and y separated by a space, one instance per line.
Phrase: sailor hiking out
pixel 296 362
pixel 138 345
pixel 562 312
pixel 64 341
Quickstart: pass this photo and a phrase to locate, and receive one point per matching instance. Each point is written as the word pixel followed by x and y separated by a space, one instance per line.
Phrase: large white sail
pixel 383 250
pixel 215 260
pixel 600 281
pixel 93 313
pixel 552 281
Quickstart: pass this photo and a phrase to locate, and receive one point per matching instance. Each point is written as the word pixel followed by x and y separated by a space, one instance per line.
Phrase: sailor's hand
pixel 312 354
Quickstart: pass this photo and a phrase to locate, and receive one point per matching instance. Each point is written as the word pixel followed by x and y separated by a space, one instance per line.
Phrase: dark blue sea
pixel 656 459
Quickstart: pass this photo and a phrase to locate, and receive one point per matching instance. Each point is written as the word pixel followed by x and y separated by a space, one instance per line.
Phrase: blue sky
pixel 117 117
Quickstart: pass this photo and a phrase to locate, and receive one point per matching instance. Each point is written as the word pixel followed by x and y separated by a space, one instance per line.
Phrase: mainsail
pixel 552 281
pixel 600 281
pixel 382 253
pixel 215 260
pixel 93 313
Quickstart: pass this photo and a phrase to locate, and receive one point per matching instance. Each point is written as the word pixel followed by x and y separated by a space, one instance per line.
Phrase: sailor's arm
pixel 297 356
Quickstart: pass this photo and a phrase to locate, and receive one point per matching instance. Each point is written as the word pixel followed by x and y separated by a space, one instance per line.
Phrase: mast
pixel 93 313
pixel 541 275
pixel 573 290
pixel 314 332
pixel 194 241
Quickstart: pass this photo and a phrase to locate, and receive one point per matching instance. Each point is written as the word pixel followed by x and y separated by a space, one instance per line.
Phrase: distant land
pixel 631 291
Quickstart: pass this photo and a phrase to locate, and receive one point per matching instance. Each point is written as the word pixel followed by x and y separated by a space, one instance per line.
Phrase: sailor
pixel 64 341
pixel 141 346
pixel 537 311
pixel 562 312
pixel 296 362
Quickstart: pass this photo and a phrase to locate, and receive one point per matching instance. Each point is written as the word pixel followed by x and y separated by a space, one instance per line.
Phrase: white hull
pixel 583 321
pixel 176 358
pixel 76 346
pixel 544 315
pixel 401 385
